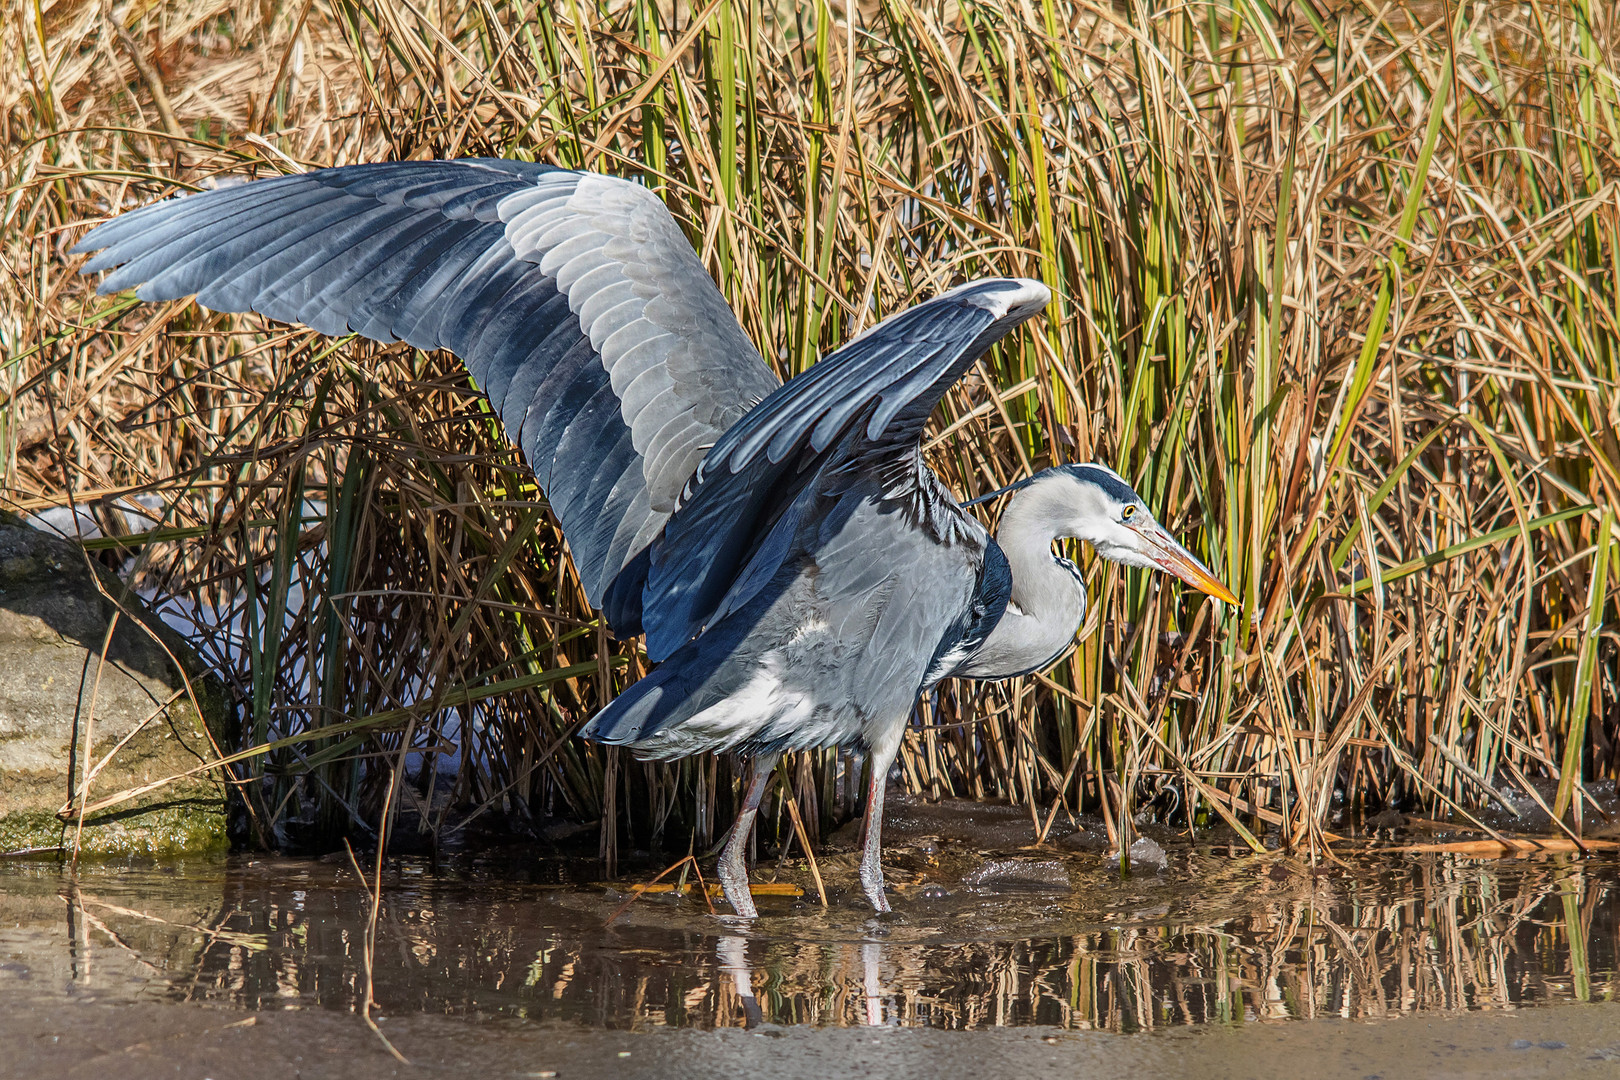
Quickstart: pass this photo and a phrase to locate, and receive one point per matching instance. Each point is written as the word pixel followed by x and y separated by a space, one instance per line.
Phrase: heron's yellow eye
pixel 1130 512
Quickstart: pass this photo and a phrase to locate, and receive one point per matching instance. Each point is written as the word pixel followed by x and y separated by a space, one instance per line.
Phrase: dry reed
pixel 1335 289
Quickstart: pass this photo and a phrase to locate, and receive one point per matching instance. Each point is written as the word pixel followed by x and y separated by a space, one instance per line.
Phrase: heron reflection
pixel 731 951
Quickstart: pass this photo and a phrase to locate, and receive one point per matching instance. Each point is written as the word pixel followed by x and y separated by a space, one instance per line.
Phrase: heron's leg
pixel 881 756
pixel 733 868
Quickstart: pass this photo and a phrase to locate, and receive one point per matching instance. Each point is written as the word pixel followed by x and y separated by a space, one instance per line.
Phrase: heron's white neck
pixel 1048 598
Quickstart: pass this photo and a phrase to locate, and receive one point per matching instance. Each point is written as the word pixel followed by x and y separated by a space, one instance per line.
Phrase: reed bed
pixel 1335 289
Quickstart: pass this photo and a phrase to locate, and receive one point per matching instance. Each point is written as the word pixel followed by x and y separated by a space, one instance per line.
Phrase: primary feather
pixel 573 299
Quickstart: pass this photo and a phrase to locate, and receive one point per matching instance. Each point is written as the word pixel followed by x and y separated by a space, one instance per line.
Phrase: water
pixel 1217 938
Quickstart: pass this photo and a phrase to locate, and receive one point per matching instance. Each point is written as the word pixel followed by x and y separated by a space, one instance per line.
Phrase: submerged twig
pixel 83 793
pixel 637 891
pixel 374 892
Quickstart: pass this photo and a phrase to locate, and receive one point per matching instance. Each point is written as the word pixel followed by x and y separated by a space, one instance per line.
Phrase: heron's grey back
pixel 830 650
pixel 573 299
pixel 861 409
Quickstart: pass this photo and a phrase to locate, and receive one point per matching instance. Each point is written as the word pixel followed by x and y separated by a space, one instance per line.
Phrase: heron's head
pixel 1093 503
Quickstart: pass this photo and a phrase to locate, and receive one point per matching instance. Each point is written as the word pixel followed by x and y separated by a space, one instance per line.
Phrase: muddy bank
pixel 88 1040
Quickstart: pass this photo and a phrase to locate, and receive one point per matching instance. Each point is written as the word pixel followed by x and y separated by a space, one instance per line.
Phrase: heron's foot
pixel 734 883
pixel 872 884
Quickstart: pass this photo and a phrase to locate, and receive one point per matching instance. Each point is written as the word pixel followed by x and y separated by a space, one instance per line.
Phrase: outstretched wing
pixel 573 299
pixel 863 406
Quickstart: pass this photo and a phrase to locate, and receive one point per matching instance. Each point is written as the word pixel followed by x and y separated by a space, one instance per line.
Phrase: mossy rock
pixel 139 701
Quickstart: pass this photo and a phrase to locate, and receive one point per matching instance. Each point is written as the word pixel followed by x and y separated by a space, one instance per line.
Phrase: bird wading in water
pixel 799 573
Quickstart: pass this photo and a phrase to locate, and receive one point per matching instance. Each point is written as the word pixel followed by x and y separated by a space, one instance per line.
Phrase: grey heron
pixel 799 573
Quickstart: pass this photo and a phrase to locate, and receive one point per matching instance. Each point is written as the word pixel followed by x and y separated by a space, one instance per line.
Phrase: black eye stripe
pixel 1111 485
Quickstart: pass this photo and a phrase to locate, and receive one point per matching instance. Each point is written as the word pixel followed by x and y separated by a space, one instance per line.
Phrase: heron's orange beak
pixel 1172 557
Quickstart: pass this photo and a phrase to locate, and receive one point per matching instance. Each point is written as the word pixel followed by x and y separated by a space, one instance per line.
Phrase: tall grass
pixel 1335 289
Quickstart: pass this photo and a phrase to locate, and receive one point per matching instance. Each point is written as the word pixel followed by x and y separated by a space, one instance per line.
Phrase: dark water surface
pixel 1056 941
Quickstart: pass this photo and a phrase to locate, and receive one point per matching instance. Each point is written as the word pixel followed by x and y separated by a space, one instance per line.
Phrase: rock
pixel 1388 819
pixel 1147 854
pixel 1045 875
pixel 53 627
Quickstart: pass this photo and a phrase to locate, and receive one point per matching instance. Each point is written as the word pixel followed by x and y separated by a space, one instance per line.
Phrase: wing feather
pixel 669 452
pixel 867 403
pixel 560 291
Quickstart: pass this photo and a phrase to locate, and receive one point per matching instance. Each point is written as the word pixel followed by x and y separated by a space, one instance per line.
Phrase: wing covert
pixel 865 404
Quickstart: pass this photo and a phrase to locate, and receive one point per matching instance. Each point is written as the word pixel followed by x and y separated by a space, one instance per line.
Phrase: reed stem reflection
pixel 1241 940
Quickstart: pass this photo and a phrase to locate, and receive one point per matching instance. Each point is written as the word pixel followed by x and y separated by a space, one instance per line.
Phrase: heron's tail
pixel 643 710
pixel 713 695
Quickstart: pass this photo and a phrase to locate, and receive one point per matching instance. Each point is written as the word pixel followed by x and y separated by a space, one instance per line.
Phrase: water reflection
pixel 1220 940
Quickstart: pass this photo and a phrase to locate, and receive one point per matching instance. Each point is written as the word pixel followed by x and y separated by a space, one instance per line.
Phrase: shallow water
pixel 1217 937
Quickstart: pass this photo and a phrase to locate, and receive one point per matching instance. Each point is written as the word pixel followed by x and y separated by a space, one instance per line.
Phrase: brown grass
pixel 1336 290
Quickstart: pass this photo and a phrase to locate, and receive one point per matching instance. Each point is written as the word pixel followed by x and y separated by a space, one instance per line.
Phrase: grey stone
pixel 1147 854
pixel 56 662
